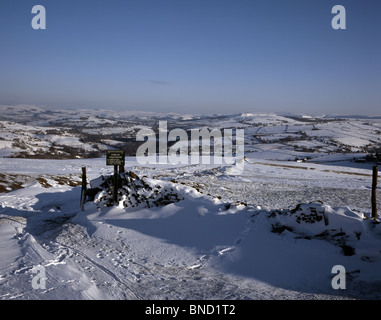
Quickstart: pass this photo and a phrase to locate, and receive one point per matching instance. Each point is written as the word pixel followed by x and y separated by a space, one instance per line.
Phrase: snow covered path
pixel 208 246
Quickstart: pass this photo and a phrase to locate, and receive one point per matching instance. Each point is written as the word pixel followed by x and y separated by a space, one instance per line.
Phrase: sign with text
pixel 115 157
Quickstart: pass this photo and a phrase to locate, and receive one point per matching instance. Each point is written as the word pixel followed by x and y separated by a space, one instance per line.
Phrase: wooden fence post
pixel 115 184
pixel 83 190
pixel 374 189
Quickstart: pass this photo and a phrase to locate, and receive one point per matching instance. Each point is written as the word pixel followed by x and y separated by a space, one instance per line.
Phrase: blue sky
pixel 193 56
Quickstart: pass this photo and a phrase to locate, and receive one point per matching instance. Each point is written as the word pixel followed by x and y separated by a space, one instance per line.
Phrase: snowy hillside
pixel 34 132
pixel 275 230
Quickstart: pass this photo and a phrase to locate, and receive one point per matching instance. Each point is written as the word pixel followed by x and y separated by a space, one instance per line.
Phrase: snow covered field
pixel 273 232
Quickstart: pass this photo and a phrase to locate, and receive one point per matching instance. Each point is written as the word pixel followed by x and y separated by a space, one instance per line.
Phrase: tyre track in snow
pixel 67 234
pixel 150 280
pixel 123 285
pixel 154 280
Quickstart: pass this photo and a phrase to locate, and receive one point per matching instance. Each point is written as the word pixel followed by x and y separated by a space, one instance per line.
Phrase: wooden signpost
pixel 115 158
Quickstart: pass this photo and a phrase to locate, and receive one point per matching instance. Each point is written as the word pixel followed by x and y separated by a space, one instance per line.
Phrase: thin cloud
pixel 158 82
